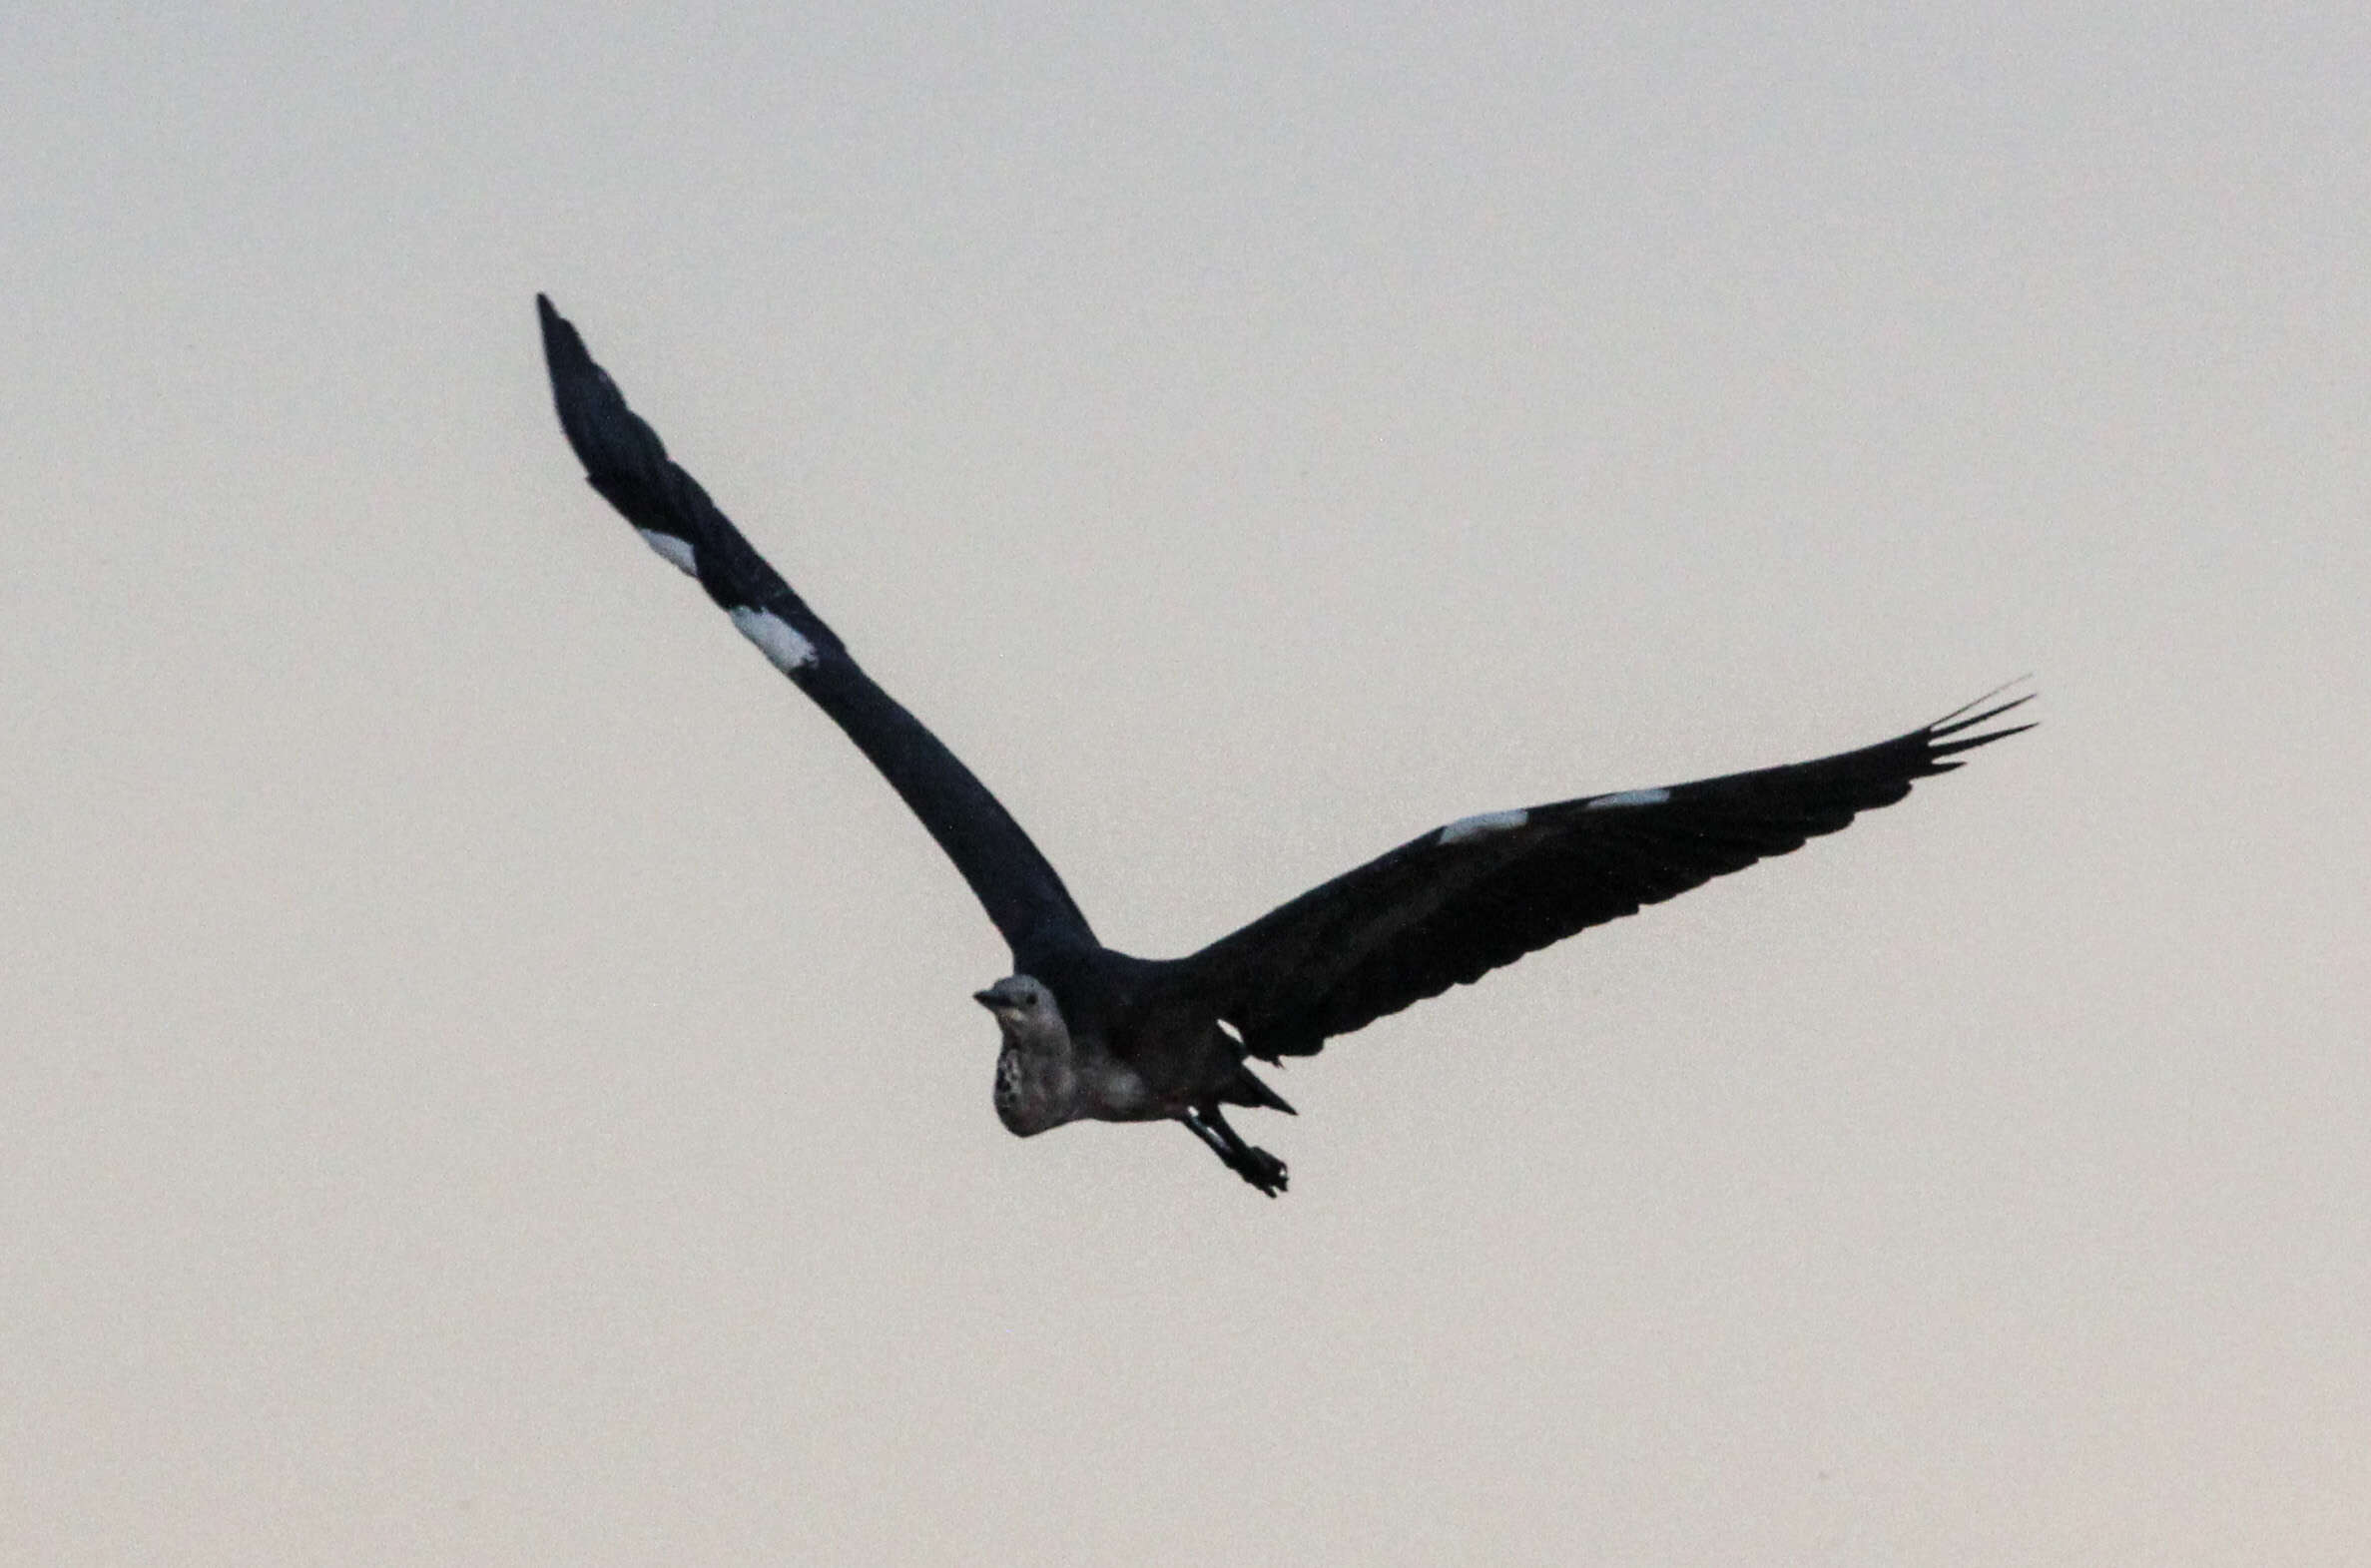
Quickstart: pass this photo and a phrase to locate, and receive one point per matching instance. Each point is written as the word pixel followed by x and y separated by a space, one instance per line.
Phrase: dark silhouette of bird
pixel 1090 1032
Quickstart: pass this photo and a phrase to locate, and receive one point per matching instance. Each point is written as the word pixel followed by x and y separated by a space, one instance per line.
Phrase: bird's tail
pixel 1247 1089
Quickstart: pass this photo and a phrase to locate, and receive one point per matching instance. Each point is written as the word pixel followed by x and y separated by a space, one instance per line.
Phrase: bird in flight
pixel 1091 1032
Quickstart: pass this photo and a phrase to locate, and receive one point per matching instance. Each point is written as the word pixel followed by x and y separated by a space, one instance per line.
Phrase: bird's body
pixel 1046 1076
pixel 1090 1033
pixel 1140 1050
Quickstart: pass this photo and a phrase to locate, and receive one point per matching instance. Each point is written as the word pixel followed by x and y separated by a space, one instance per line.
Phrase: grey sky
pixel 489 1074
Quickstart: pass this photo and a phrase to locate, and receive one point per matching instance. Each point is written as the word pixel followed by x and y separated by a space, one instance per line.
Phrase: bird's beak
pixel 987 1000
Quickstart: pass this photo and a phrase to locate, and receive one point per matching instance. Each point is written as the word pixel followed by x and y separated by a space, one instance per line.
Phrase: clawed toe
pixel 1263 1170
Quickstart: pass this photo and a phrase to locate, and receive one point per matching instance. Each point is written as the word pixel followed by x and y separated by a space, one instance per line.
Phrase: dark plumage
pixel 1089 1032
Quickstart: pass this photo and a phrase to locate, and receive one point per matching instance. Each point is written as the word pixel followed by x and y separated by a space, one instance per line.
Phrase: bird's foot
pixel 1260 1167
pixel 1256 1166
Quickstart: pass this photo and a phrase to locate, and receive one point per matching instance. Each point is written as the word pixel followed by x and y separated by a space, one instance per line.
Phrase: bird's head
pixel 1022 1005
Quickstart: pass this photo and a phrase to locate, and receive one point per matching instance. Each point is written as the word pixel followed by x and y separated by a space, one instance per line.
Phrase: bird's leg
pixel 1256 1166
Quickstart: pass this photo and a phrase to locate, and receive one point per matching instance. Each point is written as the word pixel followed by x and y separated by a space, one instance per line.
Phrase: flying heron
pixel 1094 1033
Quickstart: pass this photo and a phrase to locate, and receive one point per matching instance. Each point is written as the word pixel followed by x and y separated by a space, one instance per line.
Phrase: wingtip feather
pixel 1969 743
pixel 1963 717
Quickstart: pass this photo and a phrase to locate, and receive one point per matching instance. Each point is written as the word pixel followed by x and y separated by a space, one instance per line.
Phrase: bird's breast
pixel 1036 1093
pixel 1033 1093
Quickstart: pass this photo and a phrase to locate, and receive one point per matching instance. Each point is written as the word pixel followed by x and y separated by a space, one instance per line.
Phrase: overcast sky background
pixel 488 1071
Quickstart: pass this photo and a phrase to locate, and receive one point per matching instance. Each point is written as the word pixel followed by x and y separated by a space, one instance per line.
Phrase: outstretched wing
pixel 1449 908
pixel 625 461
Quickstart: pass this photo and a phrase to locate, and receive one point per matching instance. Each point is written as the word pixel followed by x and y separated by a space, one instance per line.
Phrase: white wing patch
pixel 776 637
pixel 1466 827
pixel 677 552
pixel 1628 798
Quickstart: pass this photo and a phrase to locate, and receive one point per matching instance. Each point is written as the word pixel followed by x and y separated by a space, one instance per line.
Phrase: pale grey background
pixel 488 1071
